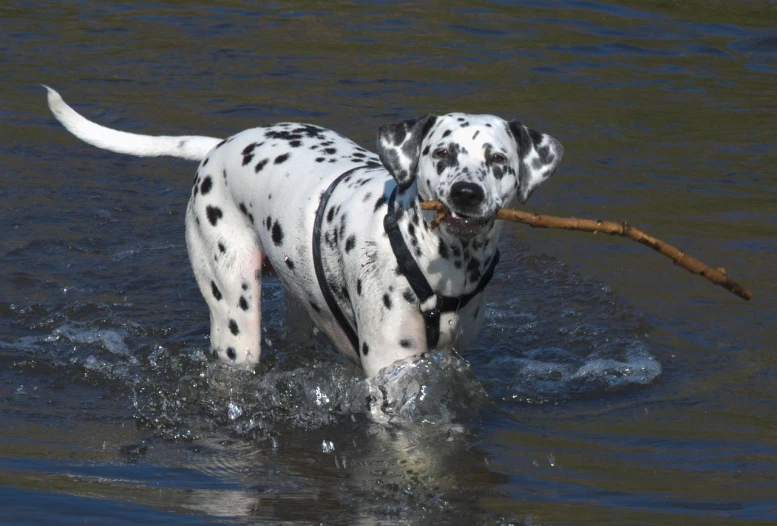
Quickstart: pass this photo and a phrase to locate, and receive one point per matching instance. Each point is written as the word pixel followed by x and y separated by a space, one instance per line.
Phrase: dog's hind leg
pixel 228 272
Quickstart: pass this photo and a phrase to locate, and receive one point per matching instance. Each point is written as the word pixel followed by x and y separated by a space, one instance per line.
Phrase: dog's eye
pixel 498 158
pixel 441 153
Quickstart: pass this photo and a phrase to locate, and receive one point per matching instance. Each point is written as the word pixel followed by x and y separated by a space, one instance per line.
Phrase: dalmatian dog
pixel 343 227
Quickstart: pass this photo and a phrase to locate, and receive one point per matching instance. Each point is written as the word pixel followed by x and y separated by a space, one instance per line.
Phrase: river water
pixel 608 386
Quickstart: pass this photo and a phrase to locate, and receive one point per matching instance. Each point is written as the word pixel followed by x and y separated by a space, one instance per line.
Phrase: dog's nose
pixel 466 196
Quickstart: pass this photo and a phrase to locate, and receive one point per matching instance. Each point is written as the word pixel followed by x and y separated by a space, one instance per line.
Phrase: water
pixel 608 387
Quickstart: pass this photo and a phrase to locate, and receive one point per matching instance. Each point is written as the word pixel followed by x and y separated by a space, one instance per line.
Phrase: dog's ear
pixel 399 147
pixel 539 153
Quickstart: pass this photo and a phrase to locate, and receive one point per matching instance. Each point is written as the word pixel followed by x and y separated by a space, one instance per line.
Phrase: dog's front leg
pixel 390 329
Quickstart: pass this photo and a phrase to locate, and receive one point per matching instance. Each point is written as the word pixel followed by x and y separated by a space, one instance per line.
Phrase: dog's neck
pixel 452 266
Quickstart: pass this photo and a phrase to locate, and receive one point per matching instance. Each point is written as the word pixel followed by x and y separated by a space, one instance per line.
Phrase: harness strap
pixel 430 304
pixel 318 264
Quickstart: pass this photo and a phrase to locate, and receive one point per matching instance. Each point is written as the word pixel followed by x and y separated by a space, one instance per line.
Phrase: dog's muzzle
pixel 465 206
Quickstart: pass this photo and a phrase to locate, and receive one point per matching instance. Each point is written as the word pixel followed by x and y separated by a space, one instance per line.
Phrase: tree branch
pixel 715 275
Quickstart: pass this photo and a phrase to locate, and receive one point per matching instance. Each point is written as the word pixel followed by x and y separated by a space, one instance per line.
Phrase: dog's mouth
pixel 465 226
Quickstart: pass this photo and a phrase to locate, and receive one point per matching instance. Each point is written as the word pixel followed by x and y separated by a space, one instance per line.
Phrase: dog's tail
pixel 191 147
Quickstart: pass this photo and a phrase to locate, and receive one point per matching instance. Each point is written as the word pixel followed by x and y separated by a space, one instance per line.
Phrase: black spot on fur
pixel 282 158
pixel 330 214
pixel 365 349
pixel 214 214
pixel 219 145
pixel 206 185
pixel 320 159
pixel 406 343
pixel 359 287
pixel 409 296
pixel 231 354
pixel 248 153
pixel 233 327
pixel 277 234
pixel 268 222
pixel 350 243
pixel 380 202
pixel 261 164
pixel 243 304
pixel 283 135
pixel 330 151
pixel 290 264
pixel 295 144
pixel 387 301
pixel 215 290
pixel 473 268
pixel 443 250
pixel 315 307
pixel 222 248
pixel 314 132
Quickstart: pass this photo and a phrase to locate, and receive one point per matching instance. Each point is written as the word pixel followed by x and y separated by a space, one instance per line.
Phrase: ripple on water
pixel 557 337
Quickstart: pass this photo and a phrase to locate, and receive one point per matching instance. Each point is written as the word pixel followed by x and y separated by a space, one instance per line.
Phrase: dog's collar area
pixel 430 304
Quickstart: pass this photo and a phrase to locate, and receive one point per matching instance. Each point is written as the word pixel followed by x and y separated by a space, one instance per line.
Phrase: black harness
pixel 430 304
pixel 318 264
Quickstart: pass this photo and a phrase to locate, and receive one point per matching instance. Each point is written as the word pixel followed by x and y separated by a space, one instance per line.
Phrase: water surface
pixel 608 386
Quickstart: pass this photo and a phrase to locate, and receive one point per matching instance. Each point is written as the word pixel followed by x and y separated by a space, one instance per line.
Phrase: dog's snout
pixel 467 196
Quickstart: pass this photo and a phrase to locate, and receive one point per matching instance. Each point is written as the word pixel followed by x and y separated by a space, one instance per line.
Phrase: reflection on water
pixel 606 388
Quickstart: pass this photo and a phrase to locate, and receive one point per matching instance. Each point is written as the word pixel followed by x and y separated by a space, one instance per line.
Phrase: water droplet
pixel 552 460
pixel 233 411
pixel 327 446
pixel 321 397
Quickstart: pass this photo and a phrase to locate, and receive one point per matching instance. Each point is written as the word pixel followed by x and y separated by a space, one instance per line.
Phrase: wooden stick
pixel 717 276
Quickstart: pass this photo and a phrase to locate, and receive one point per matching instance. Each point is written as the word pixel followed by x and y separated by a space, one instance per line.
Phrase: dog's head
pixel 473 164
